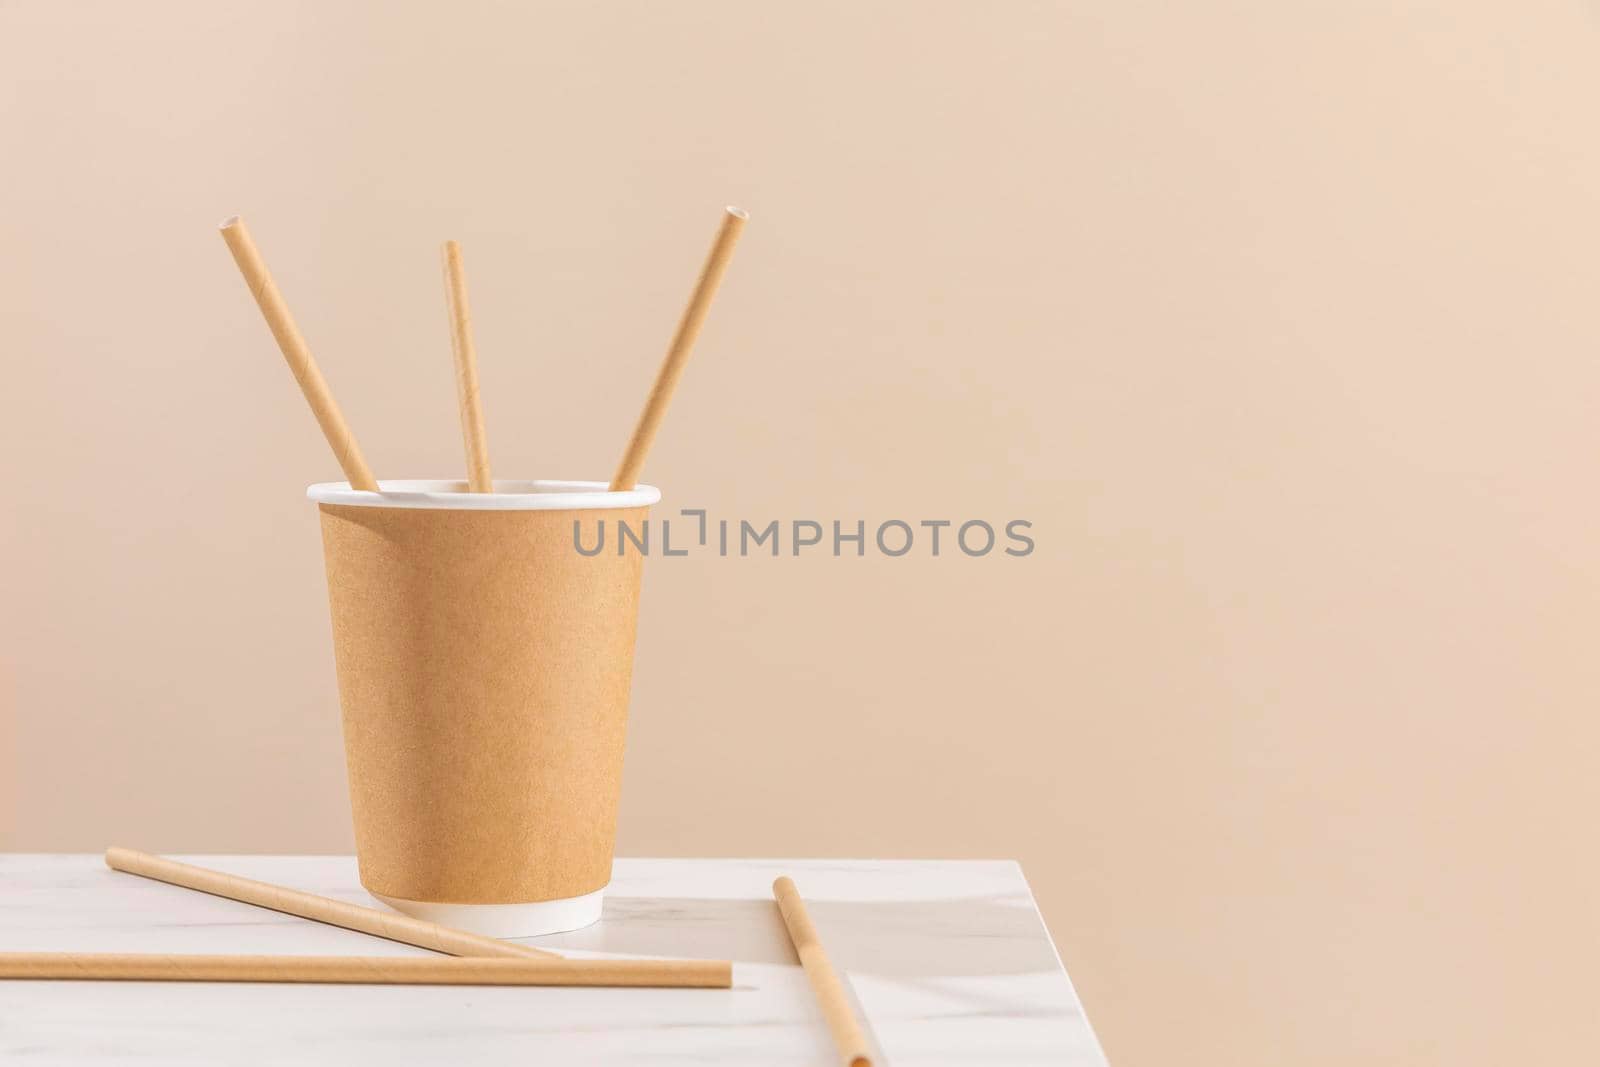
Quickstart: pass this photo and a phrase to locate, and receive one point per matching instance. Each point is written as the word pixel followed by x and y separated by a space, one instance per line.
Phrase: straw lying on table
pixel 539 967
pixel 694 316
pixel 365 970
pixel 395 927
pixel 825 983
pixel 294 348
pixel 479 479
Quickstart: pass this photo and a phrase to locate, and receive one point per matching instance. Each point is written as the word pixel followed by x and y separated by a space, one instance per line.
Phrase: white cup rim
pixel 445 494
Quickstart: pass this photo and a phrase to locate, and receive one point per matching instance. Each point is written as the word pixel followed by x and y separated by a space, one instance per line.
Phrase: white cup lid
pixel 448 495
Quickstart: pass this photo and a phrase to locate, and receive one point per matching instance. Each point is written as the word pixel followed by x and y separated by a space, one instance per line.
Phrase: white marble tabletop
pixel 949 962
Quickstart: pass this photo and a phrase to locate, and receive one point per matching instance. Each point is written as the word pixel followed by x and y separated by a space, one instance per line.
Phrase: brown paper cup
pixel 484 665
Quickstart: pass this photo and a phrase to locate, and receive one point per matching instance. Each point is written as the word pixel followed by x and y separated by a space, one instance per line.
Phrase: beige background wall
pixel 1277 321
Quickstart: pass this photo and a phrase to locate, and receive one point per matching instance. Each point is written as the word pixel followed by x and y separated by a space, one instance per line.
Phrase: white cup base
pixel 506 920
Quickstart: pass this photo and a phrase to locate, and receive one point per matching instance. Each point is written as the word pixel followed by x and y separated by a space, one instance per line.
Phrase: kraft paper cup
pixel 484 666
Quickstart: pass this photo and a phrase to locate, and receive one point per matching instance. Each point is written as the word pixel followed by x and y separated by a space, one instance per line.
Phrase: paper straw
pixel 694 316
pixel 455 288
pixel 400 928
pixel 365 970
pixel 298 355
pixel 847 1034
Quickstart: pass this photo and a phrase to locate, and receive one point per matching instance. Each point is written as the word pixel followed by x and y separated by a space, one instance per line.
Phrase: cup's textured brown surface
pixel 484 666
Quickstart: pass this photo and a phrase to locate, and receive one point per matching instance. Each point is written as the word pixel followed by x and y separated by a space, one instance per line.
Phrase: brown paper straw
pixel 694 316
pixel 295 351
pixel 400 928
pixel 847 1034
pixel 477 441
pixel 366 970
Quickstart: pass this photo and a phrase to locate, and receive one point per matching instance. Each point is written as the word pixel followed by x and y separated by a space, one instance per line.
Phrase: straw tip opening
pixel 738 212
pixel 228 223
